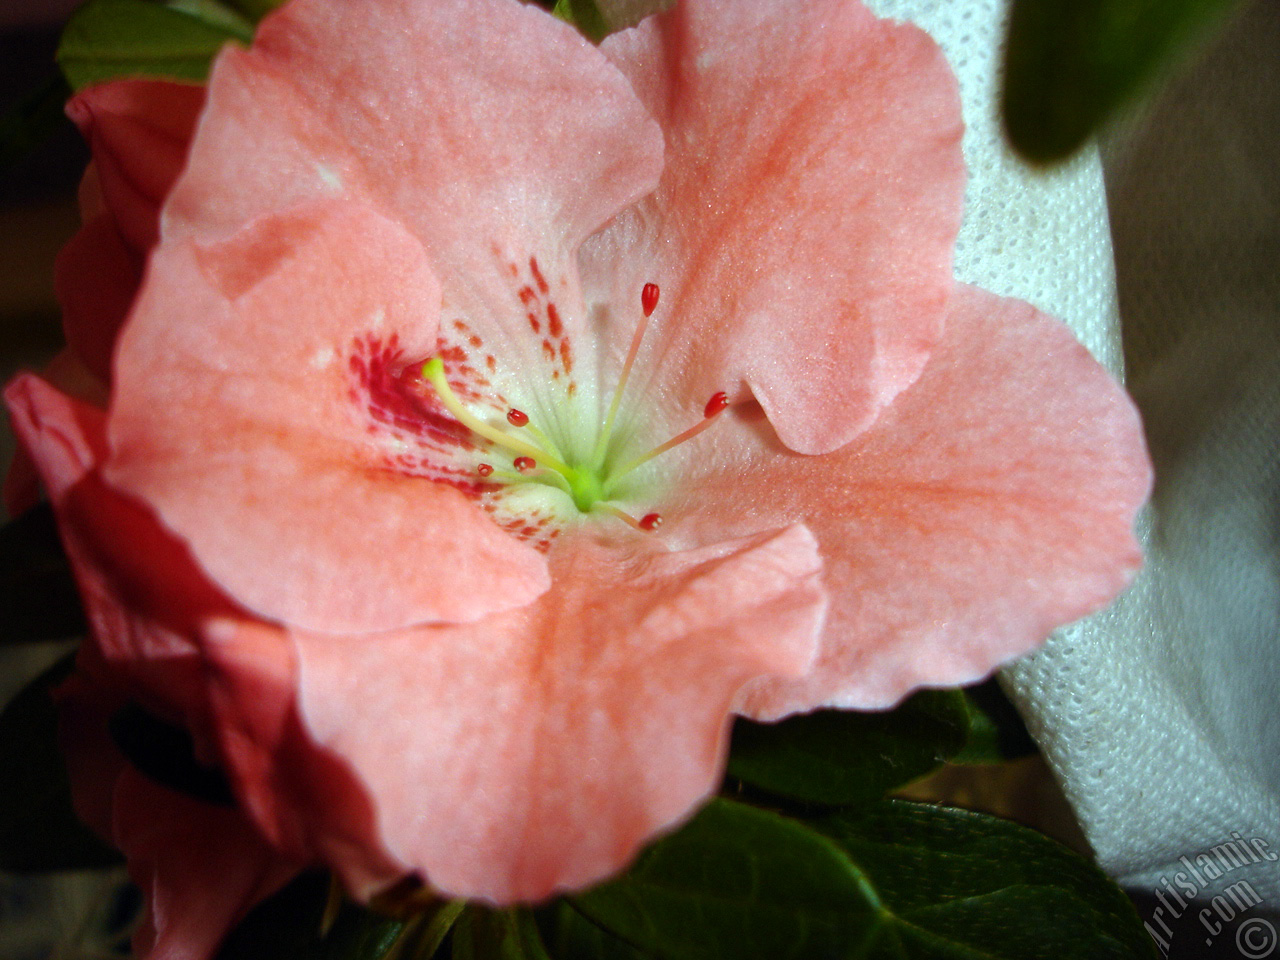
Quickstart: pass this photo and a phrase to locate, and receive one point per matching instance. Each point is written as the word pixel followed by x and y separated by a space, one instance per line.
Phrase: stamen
pixel 715 406
pixel 649 298
pixel 433 372
pixel 646 524
pixel 648 303
pixel 622 515
pixel 590 486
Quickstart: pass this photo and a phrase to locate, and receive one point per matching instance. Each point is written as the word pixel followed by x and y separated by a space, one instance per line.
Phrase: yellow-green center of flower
pixel 591 482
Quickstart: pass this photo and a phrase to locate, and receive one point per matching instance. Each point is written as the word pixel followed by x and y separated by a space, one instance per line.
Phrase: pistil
pixel 433 372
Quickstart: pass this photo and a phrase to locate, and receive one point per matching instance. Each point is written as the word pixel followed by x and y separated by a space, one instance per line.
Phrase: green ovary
pixel 586 487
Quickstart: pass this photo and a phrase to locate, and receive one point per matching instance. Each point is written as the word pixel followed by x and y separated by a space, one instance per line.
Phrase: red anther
pixel 526 464
pixel 651 521
pixel 484 470
pixel 717 403
pixel 649 298
pixel 517 418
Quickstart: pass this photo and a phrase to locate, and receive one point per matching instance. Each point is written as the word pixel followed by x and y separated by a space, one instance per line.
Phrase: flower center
pixel 591 482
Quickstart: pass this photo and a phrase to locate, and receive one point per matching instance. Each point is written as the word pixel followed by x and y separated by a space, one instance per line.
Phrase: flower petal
pixel 991 503
pixel 96 276
pixel 241 415
pixel 201 867
pixel 305 799
pixel 65 437
pixel 536 750
pixel 803 226
pixel 138 131
pixel 74 379
pixel 142 594
pixel 491 131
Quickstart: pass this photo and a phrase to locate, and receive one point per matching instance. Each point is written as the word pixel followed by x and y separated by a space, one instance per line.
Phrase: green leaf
pixel 255 10
pixel 840 757
pixel 996 731
pixel 107 39
pixel 966 885
pixel 585 15
pixel 223 16
pixel 38 597
pixel 569 935
pixel 39 829
pixel 898 880
pixel 31 122
pixel 1070 64
pixel 428 932
pixel 287 926
pixel 738 883
pixel 484 934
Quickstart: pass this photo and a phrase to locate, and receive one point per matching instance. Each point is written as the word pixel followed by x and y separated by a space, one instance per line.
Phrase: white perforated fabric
pixel 1159 716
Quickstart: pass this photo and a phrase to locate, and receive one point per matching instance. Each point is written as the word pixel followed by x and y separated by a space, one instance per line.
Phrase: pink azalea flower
pixel 201 866
pixel 138 132
pixel 390 413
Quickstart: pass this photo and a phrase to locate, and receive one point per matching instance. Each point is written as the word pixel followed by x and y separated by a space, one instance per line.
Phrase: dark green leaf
pixel 841 757
pixel 571 936
pixel 39 829
pixel 166 754
pixel 1070 63
pixel 215 13
pixel 996 731
pixel 38 598
pixel 106 39
pixel 287 926
pixel 738 883
pixel 585 15
pixel 255 10
pixel 957 884
pixel 428 932
pixel 32 121
pixel 896 880
pixel 484 934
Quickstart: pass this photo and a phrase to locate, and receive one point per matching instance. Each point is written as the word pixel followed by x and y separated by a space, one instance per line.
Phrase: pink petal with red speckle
pixel 803 226
pixel 247 413
pixel 493 133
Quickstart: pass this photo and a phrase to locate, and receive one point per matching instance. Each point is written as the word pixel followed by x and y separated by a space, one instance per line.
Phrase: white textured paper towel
pixel 1159 716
